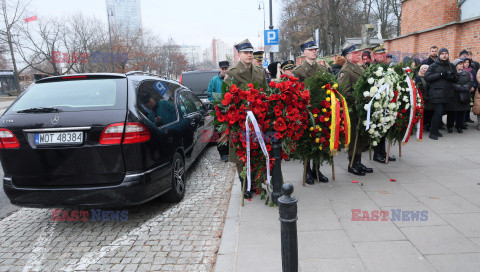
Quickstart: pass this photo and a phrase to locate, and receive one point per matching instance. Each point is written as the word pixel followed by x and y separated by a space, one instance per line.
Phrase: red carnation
pixel 315 111
pixel 280 124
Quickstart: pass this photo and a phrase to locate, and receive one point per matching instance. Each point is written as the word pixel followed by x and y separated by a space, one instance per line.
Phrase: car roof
pixel 135 74
pixel 201 71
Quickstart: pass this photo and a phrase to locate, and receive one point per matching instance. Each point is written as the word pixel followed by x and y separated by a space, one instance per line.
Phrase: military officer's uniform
pixel 241 76
pixel 303 72
pixel 307 70
pixel 347 77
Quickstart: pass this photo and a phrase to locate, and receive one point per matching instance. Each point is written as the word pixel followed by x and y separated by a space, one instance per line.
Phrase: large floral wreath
pixel 280 111
pixel 375 91
pixel 328 122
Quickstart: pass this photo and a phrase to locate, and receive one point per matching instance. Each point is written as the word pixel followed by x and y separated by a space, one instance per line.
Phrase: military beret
pixel 348 48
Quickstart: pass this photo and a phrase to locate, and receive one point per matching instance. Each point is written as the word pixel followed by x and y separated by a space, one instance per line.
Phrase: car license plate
pixel 71 137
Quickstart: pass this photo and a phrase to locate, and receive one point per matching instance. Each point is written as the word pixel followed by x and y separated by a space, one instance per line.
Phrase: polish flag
pixel 29 19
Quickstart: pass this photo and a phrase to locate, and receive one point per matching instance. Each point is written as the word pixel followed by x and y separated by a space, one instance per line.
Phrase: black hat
pixel 258 55
pixel 224 64
pixel 442 50
pixel 348 48
pixel 463 52
pixel 308 44
pixel 288 65
pixel 272 68
pixel 244 46
pixel 367 53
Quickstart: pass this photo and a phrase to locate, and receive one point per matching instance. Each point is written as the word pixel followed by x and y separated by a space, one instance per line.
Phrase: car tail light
pixel 7 139
pixel 132 133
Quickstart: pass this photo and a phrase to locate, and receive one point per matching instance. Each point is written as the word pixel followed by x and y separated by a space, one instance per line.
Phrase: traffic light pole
pixel 271 26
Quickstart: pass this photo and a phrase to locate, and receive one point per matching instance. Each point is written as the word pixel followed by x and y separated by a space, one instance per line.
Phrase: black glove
pixel 444 74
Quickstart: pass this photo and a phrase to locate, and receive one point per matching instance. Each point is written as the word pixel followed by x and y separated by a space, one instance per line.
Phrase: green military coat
pixel 347 77
pixel 243 75
pixel 305 70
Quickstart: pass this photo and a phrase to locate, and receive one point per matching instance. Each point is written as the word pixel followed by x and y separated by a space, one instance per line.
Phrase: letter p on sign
pixel 271 37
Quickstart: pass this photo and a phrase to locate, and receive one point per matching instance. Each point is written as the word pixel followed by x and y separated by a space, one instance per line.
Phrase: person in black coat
pixel 432 56
pixel 456 109
pixel 440 77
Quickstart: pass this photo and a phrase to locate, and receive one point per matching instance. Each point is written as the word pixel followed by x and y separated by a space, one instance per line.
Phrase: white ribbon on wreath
pixel 261 142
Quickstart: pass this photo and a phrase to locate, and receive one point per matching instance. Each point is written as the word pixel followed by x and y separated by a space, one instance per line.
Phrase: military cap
pixel 309 44
pixel 244 46
pixel 258 55
pixel 379 49
pixel 348 48
pixel 288 65
pixel 224 64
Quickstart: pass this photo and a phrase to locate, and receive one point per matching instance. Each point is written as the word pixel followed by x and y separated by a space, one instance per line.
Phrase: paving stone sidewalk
pixel 156 237
pixel 441 177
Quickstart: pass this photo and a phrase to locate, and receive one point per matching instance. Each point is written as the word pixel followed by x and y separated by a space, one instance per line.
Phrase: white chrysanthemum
pixel 371 131
pixel 366 93
pixel 374 143
pixel 371 81
pixel 382 120
pixel 407 106
pixel 378 73
pixel 365 107
pixel 381 81
pixel 376 105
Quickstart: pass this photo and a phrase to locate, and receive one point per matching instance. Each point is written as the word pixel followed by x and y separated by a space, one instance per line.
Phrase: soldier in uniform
pixel 242 74
pixel 347 77
pixel 307 69
pixel 287 67
pixel 258 58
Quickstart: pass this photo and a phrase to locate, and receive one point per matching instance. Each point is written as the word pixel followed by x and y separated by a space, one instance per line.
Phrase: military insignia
pixel 341 75
pixel 226 77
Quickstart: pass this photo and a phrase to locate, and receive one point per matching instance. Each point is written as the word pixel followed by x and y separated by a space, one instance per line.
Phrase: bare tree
pixel 11 14
pixel 47 46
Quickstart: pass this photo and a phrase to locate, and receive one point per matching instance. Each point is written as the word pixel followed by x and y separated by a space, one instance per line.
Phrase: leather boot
pixel 309 174
pixel 354 169
pixel 361 166
pixel 321 177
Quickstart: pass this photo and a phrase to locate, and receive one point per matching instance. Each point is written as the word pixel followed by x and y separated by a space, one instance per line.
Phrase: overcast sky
pixel 190 22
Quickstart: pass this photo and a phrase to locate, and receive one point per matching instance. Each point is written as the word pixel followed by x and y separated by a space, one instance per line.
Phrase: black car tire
pixel 177 192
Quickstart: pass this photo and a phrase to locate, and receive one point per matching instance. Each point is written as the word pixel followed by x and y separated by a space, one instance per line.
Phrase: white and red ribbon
pixel 261 142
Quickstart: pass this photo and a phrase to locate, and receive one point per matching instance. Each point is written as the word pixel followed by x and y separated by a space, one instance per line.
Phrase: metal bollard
pixel 287 208
pixel 277 180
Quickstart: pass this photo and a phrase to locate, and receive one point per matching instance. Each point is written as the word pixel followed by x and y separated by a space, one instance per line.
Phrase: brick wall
pixel 420 14
pixel 454 37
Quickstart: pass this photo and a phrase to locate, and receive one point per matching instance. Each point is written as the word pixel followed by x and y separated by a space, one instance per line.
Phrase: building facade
pixel 127 15
pixel 454 24
pixel 219 51
pixel 193 53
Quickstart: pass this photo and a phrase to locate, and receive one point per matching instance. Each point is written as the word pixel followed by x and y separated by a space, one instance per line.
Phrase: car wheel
pixel 177 180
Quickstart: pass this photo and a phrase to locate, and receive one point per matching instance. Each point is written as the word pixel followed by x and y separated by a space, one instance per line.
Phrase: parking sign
pixel 271 37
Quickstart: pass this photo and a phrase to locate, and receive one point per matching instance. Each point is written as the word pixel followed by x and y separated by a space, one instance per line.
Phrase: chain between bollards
pixel 287 208
pixel 277 179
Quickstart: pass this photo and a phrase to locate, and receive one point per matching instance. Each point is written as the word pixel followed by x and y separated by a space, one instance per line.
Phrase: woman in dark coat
pixel 422 86
pixel 440 77
pixel 456 109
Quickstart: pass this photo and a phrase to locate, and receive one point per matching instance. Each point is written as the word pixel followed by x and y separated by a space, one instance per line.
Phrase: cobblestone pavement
pixel 156 237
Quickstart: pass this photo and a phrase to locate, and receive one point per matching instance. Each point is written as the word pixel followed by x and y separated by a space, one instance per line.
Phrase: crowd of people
pixel 448 88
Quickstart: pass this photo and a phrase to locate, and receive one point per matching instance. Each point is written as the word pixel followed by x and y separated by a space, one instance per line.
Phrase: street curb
pixel 227 252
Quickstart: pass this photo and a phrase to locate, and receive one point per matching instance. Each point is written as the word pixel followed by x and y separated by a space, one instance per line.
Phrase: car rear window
pixel 198 82
pixel 75 95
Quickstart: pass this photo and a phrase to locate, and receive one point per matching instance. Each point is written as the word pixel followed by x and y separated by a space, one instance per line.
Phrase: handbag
pixel 464 98
pixel 476 103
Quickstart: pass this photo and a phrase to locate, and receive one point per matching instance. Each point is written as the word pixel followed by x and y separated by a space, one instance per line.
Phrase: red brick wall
pixel 454 37
pixel 418 15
